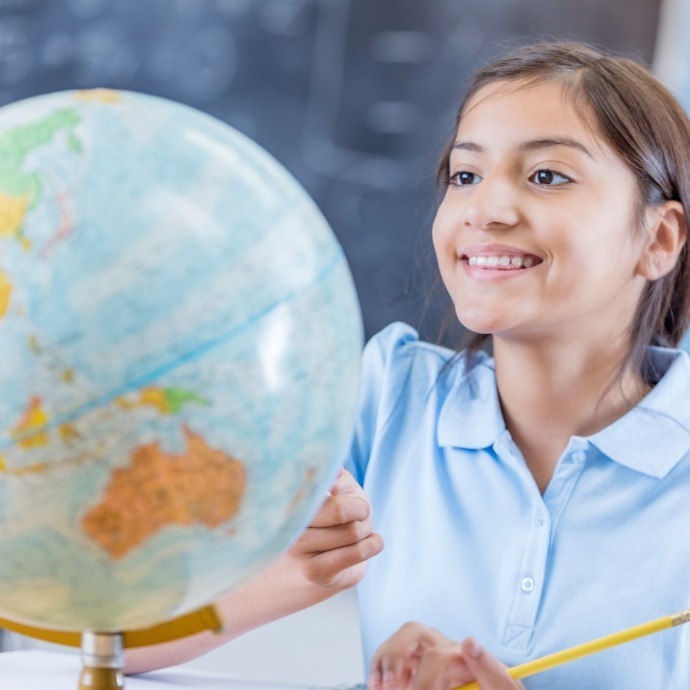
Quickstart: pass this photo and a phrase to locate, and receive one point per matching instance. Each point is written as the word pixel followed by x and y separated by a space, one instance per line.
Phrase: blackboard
pixel 354 97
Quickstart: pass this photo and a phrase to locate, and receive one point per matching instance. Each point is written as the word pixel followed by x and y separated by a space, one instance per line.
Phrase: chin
pixel 480 323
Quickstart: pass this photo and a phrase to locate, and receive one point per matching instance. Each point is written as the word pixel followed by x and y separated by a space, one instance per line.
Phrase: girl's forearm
pixel 278 591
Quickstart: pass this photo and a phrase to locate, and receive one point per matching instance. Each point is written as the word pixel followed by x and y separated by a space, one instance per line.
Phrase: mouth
pixel 499 262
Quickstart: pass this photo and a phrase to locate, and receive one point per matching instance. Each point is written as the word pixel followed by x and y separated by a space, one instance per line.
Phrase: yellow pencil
pixel 591 647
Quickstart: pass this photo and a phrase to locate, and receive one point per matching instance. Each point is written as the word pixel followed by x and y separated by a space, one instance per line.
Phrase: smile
pixel 502 263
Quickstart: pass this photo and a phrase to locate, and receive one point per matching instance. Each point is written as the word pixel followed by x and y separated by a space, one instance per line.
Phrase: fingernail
pixel 387 679
pixel 472 648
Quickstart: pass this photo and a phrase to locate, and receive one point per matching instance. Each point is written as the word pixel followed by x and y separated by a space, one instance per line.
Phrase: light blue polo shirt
pixel 473 548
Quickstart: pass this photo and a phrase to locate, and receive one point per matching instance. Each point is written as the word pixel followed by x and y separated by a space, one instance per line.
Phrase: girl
pixel 538 499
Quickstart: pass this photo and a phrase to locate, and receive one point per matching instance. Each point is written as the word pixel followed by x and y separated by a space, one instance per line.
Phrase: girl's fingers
pixel 330 568
pixel 318 539
pixel 421 658
pixel 332 551
pixel 442 667
pixel 490 673
pixel 341 509
pixel 395 662
pixel 375 680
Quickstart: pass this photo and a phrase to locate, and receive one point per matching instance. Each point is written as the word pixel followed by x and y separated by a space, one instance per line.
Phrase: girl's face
pixel 536 235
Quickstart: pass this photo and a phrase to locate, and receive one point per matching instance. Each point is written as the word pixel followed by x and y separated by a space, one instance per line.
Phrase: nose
pixel 491 204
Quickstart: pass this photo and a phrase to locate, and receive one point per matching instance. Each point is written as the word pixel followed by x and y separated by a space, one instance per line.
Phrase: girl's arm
pixel 328 558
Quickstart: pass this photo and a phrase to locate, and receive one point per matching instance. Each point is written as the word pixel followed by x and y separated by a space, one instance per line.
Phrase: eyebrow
pixel 531 145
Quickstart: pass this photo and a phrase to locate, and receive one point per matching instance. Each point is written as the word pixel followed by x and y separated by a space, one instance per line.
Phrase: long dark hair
pixel 644 123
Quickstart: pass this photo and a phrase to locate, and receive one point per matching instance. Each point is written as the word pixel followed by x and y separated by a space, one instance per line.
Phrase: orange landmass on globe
pixel 200 486
pixel 155 397
pixel 166 401
pixel 302 491
pixel 68 433
pixel 28 431
pixel 99 95
pixel 12 213
pixel 5 293
pixel 34 468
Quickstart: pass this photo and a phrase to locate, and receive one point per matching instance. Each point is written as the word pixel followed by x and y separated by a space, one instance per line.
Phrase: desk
pixel 39 670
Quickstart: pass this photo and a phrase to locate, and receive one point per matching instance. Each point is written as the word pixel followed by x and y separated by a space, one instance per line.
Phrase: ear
pixel 667 233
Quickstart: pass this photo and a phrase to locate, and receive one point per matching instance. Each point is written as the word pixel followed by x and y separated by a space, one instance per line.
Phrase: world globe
pixel 179 354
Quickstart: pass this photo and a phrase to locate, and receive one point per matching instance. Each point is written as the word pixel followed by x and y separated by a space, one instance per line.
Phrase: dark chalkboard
pixel 354 97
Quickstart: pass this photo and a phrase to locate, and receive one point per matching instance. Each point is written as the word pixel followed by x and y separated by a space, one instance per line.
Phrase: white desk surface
pixel 34 670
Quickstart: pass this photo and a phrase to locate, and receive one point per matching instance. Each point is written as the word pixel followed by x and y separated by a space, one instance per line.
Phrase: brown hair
pixel 643 122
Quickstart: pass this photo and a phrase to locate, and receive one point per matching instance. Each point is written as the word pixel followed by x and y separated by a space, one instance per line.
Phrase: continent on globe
pixel 200 486
pixel 21 189
pixel 165 400
pixel 29 431
pixel 5 293
pixel 12 212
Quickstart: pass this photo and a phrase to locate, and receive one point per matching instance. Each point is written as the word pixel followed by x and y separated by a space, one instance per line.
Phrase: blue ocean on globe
pixel 179 359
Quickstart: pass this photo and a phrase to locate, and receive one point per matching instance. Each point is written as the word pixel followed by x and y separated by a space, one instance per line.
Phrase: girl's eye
pixel 464 178
pixel 549 178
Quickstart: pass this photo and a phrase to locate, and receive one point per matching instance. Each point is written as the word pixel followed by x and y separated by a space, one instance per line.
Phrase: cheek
pixel 443 238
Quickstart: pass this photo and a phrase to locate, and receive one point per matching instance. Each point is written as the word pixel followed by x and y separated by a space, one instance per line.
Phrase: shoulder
pixel 669 370
pixel 401 374
pixel 410 387
pixel 397 349
pixel 398 370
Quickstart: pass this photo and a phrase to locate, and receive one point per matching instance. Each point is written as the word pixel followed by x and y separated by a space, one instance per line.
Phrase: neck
pixel 549 393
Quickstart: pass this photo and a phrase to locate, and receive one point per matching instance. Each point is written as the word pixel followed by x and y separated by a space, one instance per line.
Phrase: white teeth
pixel 503 261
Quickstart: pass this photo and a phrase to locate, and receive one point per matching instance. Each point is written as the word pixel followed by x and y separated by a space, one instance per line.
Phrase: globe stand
pixel 102 658
pixel 103 652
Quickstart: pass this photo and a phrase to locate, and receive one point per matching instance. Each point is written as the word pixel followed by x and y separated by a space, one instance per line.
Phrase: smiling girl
pixel 540 497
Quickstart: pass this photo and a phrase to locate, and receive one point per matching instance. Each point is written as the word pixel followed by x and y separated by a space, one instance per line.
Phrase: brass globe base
pixel 103 653
pixel 103 658
pixel 101 679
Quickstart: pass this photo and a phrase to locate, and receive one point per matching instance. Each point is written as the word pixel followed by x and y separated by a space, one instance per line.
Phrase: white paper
pixel 31 670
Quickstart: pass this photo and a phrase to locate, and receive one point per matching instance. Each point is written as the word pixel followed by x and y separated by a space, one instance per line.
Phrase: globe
pixel 179 353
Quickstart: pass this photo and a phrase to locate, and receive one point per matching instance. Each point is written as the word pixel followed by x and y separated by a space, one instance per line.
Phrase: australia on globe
pixel 179 359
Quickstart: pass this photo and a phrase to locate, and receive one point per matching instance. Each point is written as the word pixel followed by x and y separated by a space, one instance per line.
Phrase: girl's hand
pixel 333 549
pixel 420 658
pixel 397 661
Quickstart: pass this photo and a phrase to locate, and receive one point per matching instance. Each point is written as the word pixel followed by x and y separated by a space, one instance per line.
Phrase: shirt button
pixel 578 456
pixel 539 520
pixel 527 584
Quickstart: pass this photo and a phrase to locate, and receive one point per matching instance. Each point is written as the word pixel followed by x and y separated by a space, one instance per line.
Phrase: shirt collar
pixel 651 438
pixel 655 435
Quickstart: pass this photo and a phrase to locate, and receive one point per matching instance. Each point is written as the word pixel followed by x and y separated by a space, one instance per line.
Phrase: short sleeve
pixel 385 367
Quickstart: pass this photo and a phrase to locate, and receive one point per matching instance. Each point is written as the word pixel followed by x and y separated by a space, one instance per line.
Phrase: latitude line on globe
pixel 184 358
